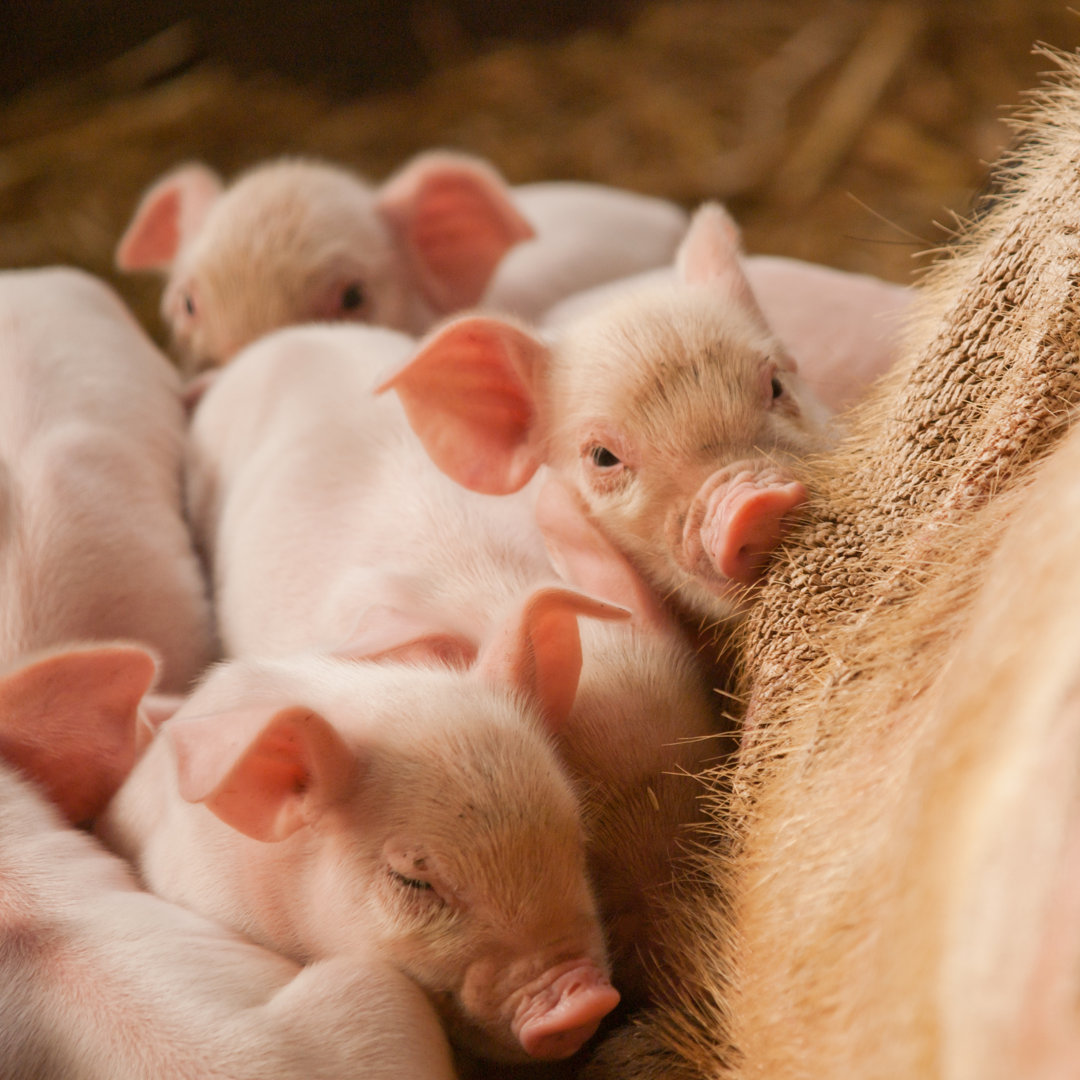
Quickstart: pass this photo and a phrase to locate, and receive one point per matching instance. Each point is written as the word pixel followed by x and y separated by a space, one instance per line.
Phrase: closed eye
pixel 412 883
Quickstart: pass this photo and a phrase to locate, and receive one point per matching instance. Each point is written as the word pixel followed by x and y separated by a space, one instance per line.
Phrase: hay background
pixel 846 132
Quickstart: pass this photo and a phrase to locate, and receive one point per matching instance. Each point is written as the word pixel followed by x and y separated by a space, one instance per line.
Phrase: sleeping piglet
pixel 100 980
pixel 324 805
pixel 93 544
pixel 294 241
pixel 673 415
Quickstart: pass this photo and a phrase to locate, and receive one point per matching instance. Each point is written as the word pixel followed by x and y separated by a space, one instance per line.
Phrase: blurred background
pixel 850 132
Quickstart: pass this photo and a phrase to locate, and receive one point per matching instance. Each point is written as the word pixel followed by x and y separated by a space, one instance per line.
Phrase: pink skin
pixel 673 414
pixel 102 981
pixel 297 241
pixel 843 330
pixel 325 805
pixel 94 545
pixel 586 234
pixel 360 547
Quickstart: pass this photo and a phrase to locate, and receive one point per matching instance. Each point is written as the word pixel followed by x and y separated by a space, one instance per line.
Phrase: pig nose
pixel 558 1023
pixel 745 526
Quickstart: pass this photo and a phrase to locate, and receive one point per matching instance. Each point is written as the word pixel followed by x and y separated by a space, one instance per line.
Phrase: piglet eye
pixel 777 388
pixel 189 304
pixel 411 883
pixel 352 298
pixel 603 458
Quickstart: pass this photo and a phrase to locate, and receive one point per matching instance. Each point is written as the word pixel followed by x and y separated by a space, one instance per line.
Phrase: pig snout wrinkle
pixel 559 1020
pixel 734 523
pixel 747 525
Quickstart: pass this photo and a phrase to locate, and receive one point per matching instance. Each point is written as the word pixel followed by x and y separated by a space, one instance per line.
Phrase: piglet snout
pixel 735 523
pixel 556 1022
pixel 746 521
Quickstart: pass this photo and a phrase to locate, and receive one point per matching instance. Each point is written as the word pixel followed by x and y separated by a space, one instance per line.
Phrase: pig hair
pixel 843 927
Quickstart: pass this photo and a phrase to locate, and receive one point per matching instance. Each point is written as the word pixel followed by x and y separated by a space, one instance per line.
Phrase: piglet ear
pixel 170 213
pixel 389 633
pixel 265 774
pixel 70 721
pixel 469 395
pixel 538 650
pixel 711 253
pixel 454 219
pixel 586 558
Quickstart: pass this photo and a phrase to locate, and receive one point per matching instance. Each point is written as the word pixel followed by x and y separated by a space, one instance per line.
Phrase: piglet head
pixel 542 975
pixel 413 801
pixel 296 241
pixel 643 409
pixel 682 422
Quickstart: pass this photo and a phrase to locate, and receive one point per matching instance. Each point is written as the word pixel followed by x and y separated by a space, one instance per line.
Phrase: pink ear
pixel 468 393
pixel 69 720
pixel 455 221
pixel 170 213
pixel 538 650
pixel 265 774
pixel 710 254
pixel 587 559
pixel 389 633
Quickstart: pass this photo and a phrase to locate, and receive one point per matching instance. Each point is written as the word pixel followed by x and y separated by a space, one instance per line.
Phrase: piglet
pixel 295 241
pixel 673 415
pixel 92 541
pixel 102 981
pixel 326 805
pixel 327 527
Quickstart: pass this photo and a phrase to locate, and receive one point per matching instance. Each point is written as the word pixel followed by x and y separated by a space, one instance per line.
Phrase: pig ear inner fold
pixel 72 720
pixel 167 217
pixel 538 650
pixel 468 395
pixel 264 776
pixel 455 221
